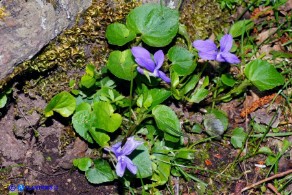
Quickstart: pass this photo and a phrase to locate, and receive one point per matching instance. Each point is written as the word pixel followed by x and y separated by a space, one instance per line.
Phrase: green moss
pixel 66 56
pixel 67 137
pixel 202 18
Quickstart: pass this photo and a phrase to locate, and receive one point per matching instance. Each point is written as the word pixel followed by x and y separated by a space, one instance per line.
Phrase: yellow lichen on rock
pixel 3 13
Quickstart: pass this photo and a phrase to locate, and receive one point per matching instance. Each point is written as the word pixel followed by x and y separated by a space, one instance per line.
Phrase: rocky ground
pixel 42 155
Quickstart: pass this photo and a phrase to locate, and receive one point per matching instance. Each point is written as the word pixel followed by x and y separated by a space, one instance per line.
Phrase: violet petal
pixel 140 70
pixel 130 165
pixel 220 58
pixel 226 43
pixel 140 52
pixel 211 55
pixel 163 76
pixel 121 166
pixel 116 149
pixel 230 58
pixel 146 63
pixel 158 58
pixel 205 46
pixel 130 145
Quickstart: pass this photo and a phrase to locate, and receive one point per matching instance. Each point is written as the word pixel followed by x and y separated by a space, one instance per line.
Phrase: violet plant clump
pixel 102 113
pixel 147 65
pixel 122 152
pixel 209 51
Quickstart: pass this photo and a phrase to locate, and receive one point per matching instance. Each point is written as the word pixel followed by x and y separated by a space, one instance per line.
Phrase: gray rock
pixel 29 25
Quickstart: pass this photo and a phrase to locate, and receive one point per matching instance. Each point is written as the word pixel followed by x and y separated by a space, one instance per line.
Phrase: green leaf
pixel 182 60
pixel 83 164
pixel 3 100
pixel 174 79
pixel 63 103
pixel 141 158
pixel 159 96
pixel 90 70
pixel 100 137
pixel 191 84
pixel 119 34
pixel 265 150
pixel 162 169
pixel 105 118
pixel 87 81
pixel 199 95
pixel 166 120
pixel 185 153
pixel 280 54
pixel 83 106
pixel 122 64
pixel 258 128
pixel 171 138
pixel 263 75
pixel 158 25
pixel 228 80
pixel 145 99
pixel 240 27
pixel 101 172
pixel 271 160
pixel 81 122
pixel 215 122
pixel 238 137
pixel 286 145
pixel 197 129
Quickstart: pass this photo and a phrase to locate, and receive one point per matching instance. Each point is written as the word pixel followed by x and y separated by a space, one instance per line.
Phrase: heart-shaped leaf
pixel 122 64
pixel 182 60
pixel 141 158
pixel 63 103
pixel 157 24
pixel 238 137
pixel 83 164
pixel 101 172
pixel 81 123
pixel 100 137
pixel 263 75
pixel 215 122
pixel 105 118
pixel 119 34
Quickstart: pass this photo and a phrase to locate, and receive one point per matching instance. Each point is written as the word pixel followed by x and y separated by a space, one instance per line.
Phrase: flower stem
pixel 182 30
pixel 134 126
pixel 131 98
pixel 234 92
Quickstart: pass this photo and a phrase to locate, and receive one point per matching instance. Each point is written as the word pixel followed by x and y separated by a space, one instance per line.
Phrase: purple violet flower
pixel 208 50
pixel 121 155
pixel 146 63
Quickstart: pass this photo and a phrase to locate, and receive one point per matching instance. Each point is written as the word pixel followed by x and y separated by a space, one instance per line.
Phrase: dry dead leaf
pixel 250 107
pixel 265 34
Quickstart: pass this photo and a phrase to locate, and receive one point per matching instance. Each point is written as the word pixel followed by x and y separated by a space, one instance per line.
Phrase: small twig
pixel 273 188
pixel 176 186
pixel 28 121
pixel 267 179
